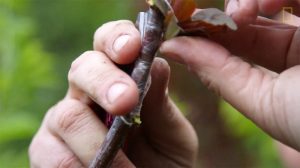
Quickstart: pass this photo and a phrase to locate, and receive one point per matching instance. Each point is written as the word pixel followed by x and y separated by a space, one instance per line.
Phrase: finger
pixel 287 18
pixel 170 124
pixel 78 126
pixel 157 98
pixel 289 156
pixel 247 88
pixel 120 40
pixel 267 43
pixel 94 74
pixel 47 150
pixel 243 12
pixel 278 23
pixel 271 7
pixel 257 93
pixel 246 11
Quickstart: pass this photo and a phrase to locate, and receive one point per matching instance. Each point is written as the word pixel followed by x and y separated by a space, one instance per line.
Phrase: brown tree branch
pixel 150 24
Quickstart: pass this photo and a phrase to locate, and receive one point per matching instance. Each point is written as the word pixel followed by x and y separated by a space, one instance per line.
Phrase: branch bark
pixel 150 24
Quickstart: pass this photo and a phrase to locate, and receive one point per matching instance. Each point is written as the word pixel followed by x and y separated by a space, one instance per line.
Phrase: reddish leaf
pixel 183 9
pixel 208 21
pixel 179 18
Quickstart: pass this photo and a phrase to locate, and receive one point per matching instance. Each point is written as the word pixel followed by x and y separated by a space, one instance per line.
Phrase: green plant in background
pixel 30 77
pixel 254 139
pixel 25 76
pixel 66 27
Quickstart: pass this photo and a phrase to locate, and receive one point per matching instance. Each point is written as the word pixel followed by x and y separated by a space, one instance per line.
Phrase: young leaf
pixel 181 19
pixel 183 9
pixel 208 21
pixel 171 27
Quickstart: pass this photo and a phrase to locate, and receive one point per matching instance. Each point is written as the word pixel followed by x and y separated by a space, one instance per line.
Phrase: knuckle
pixel 104 80
pixel 103 28
pixel 70 116
pixel 78 62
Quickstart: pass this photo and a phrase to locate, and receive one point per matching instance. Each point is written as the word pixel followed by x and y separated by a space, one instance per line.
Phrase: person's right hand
pixel 268 91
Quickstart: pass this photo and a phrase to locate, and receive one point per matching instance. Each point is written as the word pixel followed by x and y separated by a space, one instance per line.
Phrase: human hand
pixel 245 12
pixel 71 132
pixel 268 92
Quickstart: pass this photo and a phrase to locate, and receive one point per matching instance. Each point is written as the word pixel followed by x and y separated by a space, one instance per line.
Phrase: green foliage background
pixel 254 140
pixel 39 39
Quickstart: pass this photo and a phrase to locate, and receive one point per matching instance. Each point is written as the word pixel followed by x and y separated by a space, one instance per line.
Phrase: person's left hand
pixel 71 132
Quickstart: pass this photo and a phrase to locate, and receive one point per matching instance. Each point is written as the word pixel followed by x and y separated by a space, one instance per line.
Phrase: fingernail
pixel 120 42
pixel 115 91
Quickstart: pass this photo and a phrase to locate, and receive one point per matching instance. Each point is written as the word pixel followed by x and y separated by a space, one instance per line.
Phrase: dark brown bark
pixel 150 24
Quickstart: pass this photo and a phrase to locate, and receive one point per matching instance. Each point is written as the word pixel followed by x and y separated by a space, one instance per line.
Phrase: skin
pixel 71 132
pixel 265 88
pixel 267 92
pixel 245 12
pixel 290 157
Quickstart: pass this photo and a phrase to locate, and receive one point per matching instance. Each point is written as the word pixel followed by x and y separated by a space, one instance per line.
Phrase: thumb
pixel 158 108
pixel 163 123
pixel 246 87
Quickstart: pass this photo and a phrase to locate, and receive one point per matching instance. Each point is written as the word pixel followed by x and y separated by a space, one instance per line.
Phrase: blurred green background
pixel 38 41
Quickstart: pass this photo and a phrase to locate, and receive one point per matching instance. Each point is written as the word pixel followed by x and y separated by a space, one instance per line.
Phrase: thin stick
pixel 150 24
